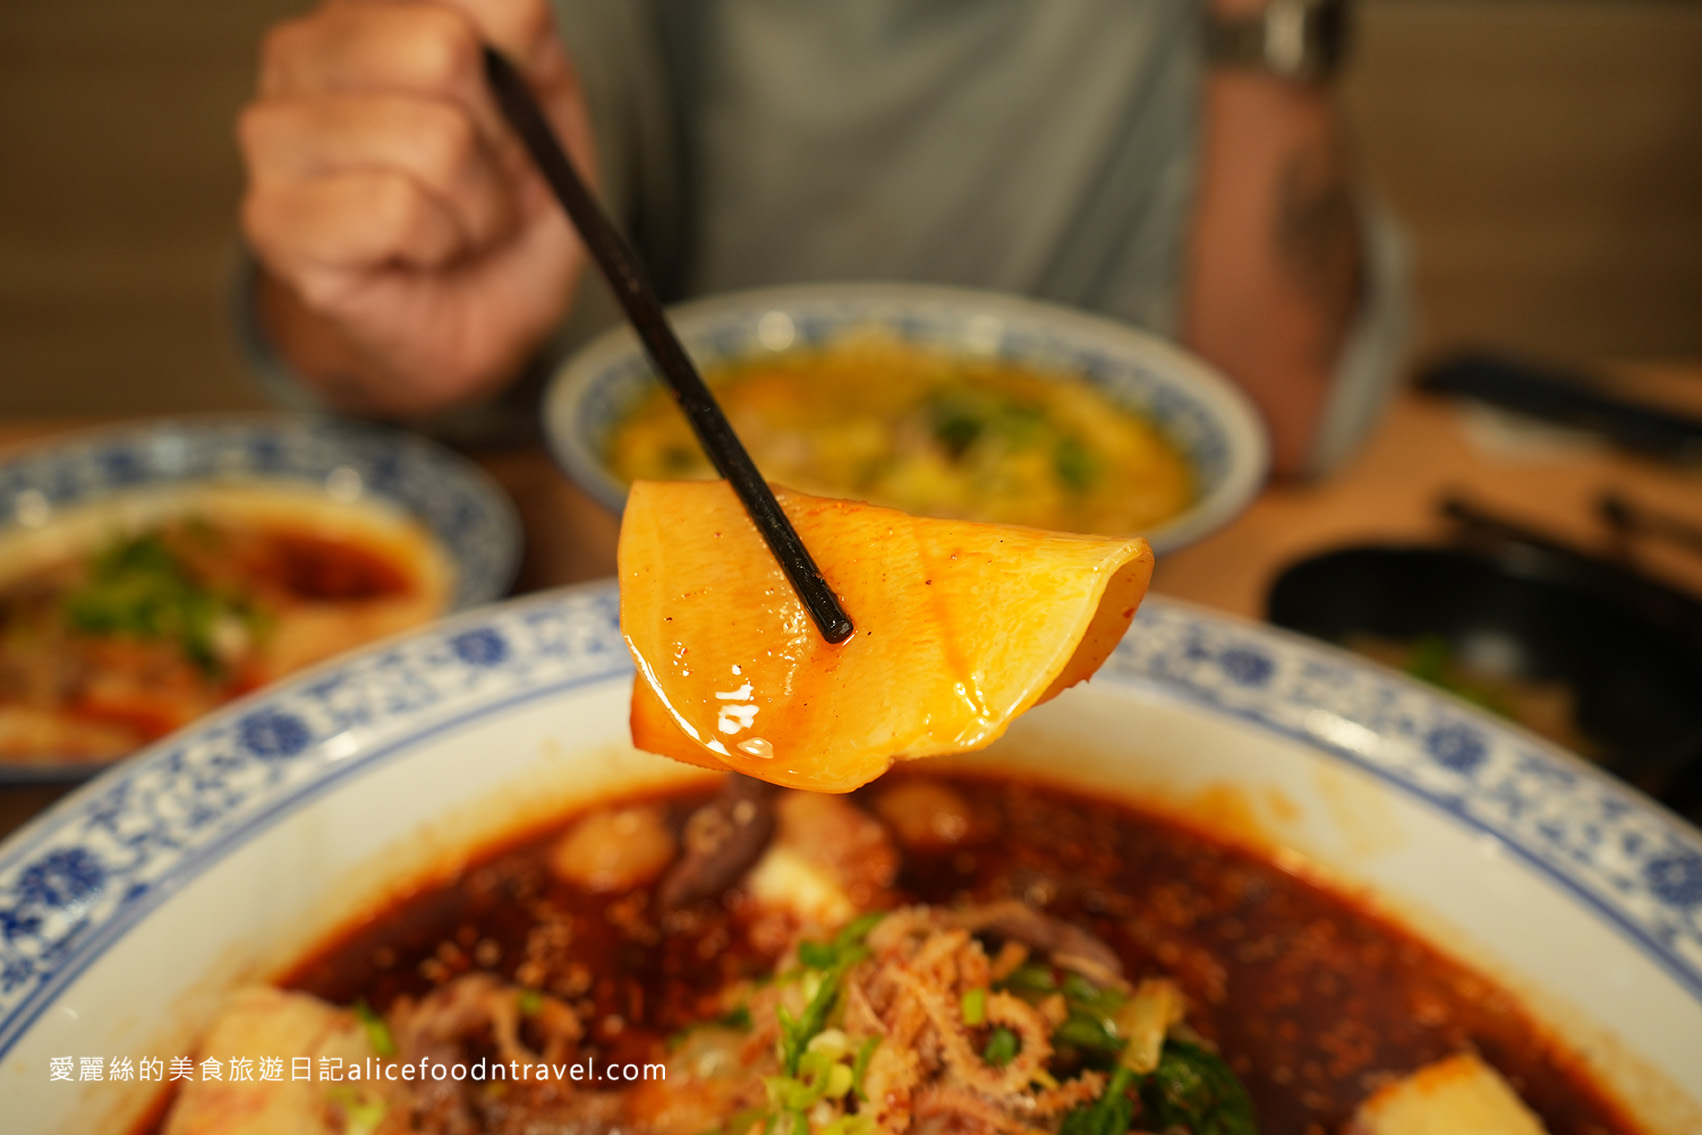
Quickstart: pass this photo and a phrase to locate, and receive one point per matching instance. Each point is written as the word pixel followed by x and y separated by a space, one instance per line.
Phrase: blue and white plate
pixel 224 853
pixel 1199 410
pixel 467 514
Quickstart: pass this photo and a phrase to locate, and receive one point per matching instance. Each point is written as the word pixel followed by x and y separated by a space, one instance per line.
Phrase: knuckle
pixel 447 47
pixel 402 213
pixel 451 143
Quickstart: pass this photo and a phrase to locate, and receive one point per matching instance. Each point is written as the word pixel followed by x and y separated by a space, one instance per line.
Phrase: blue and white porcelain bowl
pixel 1205 416
pixel 465 512
pixel 225 853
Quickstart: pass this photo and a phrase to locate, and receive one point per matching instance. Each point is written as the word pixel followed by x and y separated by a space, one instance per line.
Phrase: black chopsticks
pixel 644 310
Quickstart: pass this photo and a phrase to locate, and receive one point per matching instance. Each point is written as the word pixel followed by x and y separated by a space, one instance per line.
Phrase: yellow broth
pixel 930 433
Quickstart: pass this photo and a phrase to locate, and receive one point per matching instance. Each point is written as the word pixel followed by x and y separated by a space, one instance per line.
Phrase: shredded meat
pixel 478 1004
pixel 1068 945
pixel 929 1068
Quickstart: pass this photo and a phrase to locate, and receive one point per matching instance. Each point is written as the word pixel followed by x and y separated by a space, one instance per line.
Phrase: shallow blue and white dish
pixel 465 513
pixel 1196 408
pixel 225 853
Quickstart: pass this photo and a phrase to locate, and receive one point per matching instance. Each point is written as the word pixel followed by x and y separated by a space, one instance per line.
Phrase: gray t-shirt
pixel 1041 148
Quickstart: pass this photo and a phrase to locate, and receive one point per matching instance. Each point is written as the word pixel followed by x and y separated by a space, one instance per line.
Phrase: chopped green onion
pixel 860 1066
pixel 1091 1033
pixel 851 1125
pixel 1002 1047
pixel 845 951
pixel 377 1032
pixel 817 955
pixel 531 1000
pixel 1030 977
pixel 739 1019
pixel 974 1007
pixel 363 1111
pixel 139 588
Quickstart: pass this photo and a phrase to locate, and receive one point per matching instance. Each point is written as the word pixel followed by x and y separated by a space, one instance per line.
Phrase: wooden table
pixel 1424 449
pixel 1427 448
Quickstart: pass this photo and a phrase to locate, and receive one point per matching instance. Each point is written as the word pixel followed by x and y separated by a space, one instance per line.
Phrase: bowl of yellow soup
pixel 938 401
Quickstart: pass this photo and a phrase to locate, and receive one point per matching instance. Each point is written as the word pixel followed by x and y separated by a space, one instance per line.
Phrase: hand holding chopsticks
pixel 645 312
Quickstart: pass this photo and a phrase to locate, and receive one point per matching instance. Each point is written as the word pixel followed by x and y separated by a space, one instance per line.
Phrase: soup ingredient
pixel 925 814
pixel 1306 997
pixel 756 1016
pixel 259 1021
pixel 124 621
pixel 927 433
pixel 961 627
pixel 1545 707
pixel 1194 1089
pixel 829 860
pixel 1458 1094
pixel 721 839
pixel 614 851
pixel 139 588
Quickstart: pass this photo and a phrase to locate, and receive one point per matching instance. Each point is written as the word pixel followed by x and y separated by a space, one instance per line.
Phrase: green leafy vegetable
pixel 1077 466
pixel 1195 1089
pixel 817 955
pixel 1431 659
pixel 1110 1114
pixel 1090 1025
pixel 377 1032
pixel 1002 1047
pixel 1191 1089
pixel 830 960
pixel 964 417
pixel 955 426
pixel 140 589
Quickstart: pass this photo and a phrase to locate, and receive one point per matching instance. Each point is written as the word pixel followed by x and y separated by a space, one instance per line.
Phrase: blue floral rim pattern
pixel 79 878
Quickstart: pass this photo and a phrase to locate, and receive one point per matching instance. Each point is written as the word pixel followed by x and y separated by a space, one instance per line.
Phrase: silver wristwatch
pixel 1297 40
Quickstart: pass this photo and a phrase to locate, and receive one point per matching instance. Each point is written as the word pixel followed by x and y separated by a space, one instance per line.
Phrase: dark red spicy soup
pixel 1312 1000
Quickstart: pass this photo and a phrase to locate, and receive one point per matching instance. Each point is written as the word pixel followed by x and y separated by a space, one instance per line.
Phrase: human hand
pixel 412 256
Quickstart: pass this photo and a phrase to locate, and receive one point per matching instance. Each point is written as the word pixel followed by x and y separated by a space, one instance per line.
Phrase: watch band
pixel 1295 40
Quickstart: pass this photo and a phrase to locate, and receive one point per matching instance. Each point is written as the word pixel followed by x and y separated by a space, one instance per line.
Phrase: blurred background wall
pixel 1546 156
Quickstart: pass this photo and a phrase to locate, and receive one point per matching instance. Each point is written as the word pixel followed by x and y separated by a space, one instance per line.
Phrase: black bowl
pixel 1634 668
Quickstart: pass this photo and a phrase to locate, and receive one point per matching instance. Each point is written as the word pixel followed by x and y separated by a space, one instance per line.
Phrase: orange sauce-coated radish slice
pixel 960 628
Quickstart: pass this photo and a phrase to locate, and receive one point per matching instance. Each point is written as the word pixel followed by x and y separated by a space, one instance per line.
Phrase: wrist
pixel 1298 41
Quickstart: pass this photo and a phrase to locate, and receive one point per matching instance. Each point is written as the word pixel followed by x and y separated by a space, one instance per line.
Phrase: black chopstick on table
pixel 644 310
